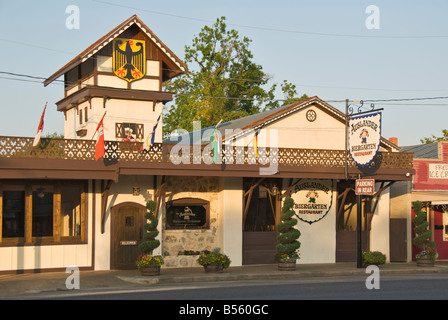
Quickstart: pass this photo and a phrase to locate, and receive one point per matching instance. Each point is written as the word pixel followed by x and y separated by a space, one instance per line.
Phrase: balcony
pixel 128 155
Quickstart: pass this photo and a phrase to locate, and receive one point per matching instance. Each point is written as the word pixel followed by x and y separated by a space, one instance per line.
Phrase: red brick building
pixel 430 185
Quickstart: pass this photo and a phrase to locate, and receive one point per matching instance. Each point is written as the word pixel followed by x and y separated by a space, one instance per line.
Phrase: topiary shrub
pixel 149 238
pixel 287 243
pixel 422 237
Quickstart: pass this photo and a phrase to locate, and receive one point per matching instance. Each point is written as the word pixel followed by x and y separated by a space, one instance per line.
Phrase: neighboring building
pixel 430 185
pixel 60 207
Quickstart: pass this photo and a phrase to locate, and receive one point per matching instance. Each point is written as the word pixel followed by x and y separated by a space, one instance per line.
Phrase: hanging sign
pixel 364 138
pixel 365 187
pixel 313 199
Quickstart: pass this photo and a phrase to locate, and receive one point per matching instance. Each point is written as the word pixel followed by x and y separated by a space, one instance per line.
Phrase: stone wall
pixel 175 241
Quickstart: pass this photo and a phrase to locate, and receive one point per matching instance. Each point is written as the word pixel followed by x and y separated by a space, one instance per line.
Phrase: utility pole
pixel 346 139
pixel 359 230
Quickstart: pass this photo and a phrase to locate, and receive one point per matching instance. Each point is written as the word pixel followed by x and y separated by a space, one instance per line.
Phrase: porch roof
pixel 74 159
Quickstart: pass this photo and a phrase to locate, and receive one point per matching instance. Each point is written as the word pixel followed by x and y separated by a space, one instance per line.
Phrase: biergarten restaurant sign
pixel 312 199
pixel 364 137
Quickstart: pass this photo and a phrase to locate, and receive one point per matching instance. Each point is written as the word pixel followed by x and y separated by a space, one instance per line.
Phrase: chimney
pixel 394 140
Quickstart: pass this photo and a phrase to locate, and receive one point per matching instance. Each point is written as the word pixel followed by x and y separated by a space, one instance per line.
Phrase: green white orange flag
pixel 215 142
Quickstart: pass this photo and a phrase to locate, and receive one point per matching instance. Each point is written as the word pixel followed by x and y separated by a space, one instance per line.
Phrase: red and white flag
pixel 99 147
pixel 40 128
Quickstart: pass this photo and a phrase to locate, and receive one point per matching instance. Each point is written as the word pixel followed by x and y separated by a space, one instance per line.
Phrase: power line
pixel 30 78
pixel 277 29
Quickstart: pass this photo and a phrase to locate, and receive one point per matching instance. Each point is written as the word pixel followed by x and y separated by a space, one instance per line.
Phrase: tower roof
pixel 176 66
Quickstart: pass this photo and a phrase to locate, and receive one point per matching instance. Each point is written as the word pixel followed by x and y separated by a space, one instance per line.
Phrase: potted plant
pixel 287 243
pixel 214 261
pixel 422 239
pixel 147 263
pixel 373 258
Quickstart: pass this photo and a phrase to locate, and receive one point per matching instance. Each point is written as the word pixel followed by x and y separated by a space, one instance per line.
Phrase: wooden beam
pixel 159 195
pixel 288 190
pixel 375 199
pixel 57 213
pixel 249 198
pixel 1 212
pixel 28 214
pixel 341 206
pixel 104 196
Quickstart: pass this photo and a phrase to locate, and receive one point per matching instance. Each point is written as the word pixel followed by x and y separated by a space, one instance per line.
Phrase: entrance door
pixel 260 236
pixel 127 232
pixel 439 217
pixel 398 242
pixel 346 222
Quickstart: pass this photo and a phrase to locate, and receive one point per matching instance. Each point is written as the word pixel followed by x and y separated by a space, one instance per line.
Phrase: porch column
pixel 232 218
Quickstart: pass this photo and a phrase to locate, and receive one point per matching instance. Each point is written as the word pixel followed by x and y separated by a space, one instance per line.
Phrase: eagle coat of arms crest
pixel 129 59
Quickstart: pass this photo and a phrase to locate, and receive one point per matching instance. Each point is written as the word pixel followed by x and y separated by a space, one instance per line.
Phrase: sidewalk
pixel 17 284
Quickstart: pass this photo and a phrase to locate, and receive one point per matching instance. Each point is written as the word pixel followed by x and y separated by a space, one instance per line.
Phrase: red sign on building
pixel 365 187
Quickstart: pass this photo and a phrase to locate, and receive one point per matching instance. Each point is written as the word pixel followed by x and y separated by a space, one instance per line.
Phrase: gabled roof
pixel 423 151
pixel 256 121
pixel 109 37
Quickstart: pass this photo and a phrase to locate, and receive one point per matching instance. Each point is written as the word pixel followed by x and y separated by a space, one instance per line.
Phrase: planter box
pixel 182 261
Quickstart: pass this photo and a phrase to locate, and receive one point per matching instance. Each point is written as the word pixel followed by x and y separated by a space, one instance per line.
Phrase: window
pixel 44 213
pixel 13 223
pixel 129 131
pixel 70 211
pixel 42 225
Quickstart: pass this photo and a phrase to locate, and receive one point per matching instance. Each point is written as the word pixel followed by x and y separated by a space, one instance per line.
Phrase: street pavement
pixel 16 285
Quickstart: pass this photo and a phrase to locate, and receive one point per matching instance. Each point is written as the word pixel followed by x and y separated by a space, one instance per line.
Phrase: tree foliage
pixel 433 138
pixel 223 81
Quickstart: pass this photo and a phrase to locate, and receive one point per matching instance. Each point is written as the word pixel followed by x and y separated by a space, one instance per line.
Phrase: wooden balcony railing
pixel 20 147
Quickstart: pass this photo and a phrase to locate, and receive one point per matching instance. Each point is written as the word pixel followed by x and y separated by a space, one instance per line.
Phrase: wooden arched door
pixel 126 233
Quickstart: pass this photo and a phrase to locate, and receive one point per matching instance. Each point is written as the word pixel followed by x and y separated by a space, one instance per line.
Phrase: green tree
pixel 223 81
pixel 433 138
pixel 290 95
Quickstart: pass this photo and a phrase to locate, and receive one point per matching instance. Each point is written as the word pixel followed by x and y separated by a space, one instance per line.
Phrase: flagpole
pixel 97 129
pixel 40 127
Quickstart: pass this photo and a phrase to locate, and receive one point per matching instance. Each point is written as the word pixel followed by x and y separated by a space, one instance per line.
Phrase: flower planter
pixel 290 265
pixel 150 271
pixel 213 268
pixel 425 262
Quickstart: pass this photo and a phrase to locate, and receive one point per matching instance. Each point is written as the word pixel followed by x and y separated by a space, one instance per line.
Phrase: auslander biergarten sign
pixel 364 138
pixel 313 199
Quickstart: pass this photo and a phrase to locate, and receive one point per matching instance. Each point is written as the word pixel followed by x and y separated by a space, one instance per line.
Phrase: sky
pixel 335 50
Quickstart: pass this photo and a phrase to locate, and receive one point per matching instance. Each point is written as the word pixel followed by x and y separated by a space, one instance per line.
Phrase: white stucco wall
pixel 318 239
pixel 231 195
pixel 379 234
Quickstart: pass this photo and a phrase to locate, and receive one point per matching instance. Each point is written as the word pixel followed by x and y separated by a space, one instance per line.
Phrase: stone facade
pixel 179 241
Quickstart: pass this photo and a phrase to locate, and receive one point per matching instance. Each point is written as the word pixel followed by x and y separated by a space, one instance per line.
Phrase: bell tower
pixel 121 75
